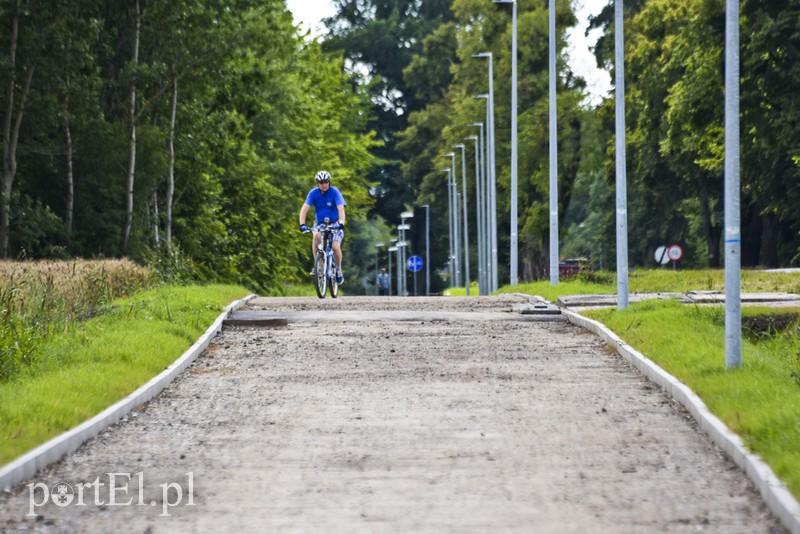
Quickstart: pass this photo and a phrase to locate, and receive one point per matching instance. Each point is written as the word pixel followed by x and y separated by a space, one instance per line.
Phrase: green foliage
pixel 43 299
pixel 103 360
pixel 259 111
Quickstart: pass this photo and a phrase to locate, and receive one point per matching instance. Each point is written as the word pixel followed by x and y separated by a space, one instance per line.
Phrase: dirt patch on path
pixel 427 426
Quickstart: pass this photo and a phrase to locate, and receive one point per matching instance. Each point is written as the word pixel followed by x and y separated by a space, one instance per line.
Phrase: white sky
pixel 309 13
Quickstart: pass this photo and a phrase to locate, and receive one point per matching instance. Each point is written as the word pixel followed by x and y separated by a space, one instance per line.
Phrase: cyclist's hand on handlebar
pixel 304 228
pixel 337 226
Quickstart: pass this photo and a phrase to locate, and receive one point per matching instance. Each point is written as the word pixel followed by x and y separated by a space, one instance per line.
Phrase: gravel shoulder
pixel 374 425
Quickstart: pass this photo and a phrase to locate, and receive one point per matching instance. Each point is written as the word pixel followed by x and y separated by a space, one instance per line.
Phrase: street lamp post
pixel 553 151
pixel 392 248
pixel 427 249
pixel 492 174
pixel 455 221
pixel 481 286
pixel 514 219
pixel 733 230
pixel 483 227
pixel 378 247
pixel 621 185
pixel 404 256
pixel 489 236
pixel 464 202
pixel 450 264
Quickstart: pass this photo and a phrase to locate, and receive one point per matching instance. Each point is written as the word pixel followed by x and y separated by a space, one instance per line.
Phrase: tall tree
pixel 19 70
pixel 380 38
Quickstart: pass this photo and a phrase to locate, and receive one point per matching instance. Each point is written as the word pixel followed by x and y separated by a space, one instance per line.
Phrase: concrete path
pixel 467 419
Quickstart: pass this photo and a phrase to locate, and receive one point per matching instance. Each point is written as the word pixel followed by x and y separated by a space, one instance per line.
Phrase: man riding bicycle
pixel 328 204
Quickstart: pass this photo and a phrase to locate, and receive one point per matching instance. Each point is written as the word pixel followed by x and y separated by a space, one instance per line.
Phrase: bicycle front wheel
pixel 334 287
pixel 320 278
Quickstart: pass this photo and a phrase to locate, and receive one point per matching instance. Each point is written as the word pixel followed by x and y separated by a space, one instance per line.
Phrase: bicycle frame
pixel 325 264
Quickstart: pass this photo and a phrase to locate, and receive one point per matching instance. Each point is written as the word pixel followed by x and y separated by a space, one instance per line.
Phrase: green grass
pixel 103 360
pixel 659 281
pixel 760 402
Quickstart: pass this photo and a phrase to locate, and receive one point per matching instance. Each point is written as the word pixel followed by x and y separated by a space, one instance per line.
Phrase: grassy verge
pixel 100 361
pixel 44 298
pixel 659 281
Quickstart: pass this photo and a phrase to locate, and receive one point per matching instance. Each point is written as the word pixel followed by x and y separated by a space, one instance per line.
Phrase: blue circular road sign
pixel 414 264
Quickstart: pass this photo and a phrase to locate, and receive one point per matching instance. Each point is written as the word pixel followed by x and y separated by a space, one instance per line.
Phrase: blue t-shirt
pixel 325 205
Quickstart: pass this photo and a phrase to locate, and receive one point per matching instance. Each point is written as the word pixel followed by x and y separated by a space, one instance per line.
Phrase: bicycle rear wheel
pixel 320 276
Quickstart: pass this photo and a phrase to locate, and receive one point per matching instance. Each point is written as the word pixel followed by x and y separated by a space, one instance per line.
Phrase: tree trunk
pixel 712 232
pixel 171 177
pixel 132 138
pixel 70 177
pixel 156 235
pixel 770 230
pixel 11 127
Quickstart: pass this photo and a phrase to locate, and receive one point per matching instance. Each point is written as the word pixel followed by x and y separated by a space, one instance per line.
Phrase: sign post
pixel 415 264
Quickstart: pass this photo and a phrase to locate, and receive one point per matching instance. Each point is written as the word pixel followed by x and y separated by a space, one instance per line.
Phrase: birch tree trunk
pixel 70 176
pixel 156 234
pixel 132 138
pixel 171 177
pixel 11 127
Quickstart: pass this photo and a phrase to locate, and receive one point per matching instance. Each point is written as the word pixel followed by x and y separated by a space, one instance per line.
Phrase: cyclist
pixel 328 204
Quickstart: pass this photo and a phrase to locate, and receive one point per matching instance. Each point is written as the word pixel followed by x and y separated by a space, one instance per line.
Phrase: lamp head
pixel 482 54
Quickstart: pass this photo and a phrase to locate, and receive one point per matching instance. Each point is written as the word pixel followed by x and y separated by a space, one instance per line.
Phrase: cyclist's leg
pixel 337 254
pixel 315 243
pixel 337 238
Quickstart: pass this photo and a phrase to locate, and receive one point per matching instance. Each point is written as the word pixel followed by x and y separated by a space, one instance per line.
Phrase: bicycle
pixel 325 262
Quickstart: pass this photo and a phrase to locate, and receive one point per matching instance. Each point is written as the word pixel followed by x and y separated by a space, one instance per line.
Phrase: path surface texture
pixel 369 414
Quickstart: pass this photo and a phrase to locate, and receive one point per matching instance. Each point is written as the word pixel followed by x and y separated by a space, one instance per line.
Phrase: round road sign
pixel 675 252
pixel 414 264
pixel 661 255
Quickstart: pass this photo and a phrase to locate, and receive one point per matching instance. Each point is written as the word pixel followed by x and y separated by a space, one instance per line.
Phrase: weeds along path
pixel 479 422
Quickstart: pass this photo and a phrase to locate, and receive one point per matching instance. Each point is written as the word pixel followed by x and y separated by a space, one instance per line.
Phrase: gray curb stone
pixel 775 494
pixel 28 464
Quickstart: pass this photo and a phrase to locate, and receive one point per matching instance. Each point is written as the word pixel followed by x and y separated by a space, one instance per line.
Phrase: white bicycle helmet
pixel 323 176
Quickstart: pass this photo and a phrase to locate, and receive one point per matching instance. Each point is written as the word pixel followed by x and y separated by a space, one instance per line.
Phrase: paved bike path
pixel 364 425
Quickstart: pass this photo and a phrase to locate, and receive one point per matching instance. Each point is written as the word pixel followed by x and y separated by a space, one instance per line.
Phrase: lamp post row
pixel 487 228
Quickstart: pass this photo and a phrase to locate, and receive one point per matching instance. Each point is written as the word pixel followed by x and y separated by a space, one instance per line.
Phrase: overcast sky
pixel 309 13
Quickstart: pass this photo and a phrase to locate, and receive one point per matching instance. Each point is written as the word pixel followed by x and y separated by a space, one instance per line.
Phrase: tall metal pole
pixel 400 271
pixel 493 184
pixel 487 225
pixel 427 249
pixel 733 237
pixel 484 248
pixel 389 254
pixel 553 152
pixel 378 247
pixel 465 223
pixel 514 222
pixel 456 224
pixel 492 174
pixel 622 194
pixel 450 265
pixel 483 212
pixel 481 287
